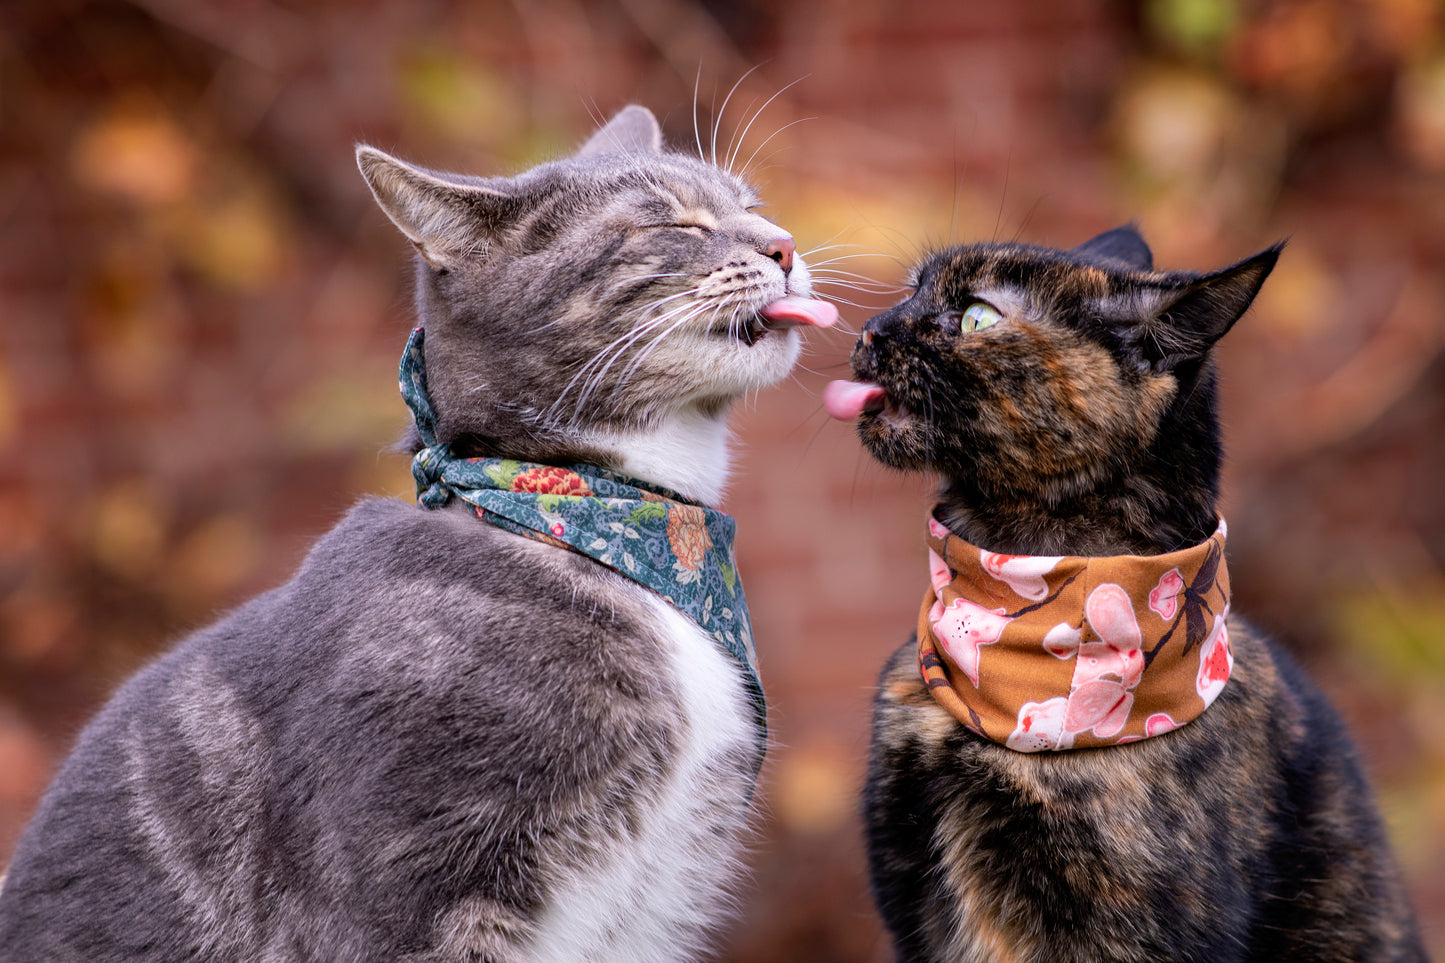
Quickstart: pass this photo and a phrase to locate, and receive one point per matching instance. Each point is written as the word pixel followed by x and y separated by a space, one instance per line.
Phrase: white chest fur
pixel 688 453
pixel 655 896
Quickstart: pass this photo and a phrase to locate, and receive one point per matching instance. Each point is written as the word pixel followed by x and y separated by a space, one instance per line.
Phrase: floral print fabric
pixel 1063 652
pixel 680 550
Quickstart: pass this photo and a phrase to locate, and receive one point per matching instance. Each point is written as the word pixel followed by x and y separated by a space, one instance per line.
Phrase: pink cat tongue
pixel 846 400
pixel 792 311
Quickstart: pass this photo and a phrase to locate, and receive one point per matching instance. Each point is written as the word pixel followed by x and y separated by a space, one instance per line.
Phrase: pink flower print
pixel 1118 650
pixel 936 529
pixel 1164 597
pixel 938 571
pixel 1022 573
pixel 962 626
pixel 1040 726
pixel 1101 705
pixel 1159 723
pixel 1106 671
pixel 1216 661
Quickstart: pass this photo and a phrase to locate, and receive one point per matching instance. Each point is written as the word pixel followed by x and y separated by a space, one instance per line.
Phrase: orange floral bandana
pixel 1069 652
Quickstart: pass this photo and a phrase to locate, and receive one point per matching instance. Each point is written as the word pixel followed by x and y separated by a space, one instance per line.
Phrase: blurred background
pixel 201 311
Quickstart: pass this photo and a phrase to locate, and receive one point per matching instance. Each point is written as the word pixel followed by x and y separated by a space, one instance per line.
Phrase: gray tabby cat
pixel 440 740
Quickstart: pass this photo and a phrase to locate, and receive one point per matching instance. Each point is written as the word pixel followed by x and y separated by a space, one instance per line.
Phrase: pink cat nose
pixel 781 249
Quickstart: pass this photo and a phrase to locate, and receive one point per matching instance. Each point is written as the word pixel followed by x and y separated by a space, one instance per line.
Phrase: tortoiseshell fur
pixel 1084 423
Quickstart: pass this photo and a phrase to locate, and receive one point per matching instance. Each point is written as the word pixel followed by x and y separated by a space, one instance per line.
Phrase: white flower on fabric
pixel 1022 573
pixel 1040 727
pixel 1062 641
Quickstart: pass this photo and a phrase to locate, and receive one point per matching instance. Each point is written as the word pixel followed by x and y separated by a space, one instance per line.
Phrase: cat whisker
pixel 873 295
pixel 582 374
pixel 633 312
pixel 733 139
pixel 626 339
pixel 613 352
pixel 838 257
pixel 722 111
pixel 838 247
pixel 656 343
pixel 862 280
pixel 647 277
pixel 860 305
pixel 696 132
pixel 748 167
pixel 733 156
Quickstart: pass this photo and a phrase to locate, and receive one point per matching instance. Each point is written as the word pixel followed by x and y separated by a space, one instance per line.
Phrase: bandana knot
pixel 1070 652
pixel 681 550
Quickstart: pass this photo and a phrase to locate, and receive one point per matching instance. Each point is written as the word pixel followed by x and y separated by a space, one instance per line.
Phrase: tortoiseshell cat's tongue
pixel 847 400
pixel 792 311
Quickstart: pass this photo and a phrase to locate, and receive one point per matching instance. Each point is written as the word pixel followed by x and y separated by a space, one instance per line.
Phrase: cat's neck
pixel 1162 499
pixel 687 452
pixel 1116 523
pixel 1166 503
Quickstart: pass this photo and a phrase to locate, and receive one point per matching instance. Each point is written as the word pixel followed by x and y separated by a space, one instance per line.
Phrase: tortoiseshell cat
pixel 441 740
pixel 1068 400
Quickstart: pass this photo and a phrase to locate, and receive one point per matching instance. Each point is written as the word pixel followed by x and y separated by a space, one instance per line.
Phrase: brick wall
pixel 201 312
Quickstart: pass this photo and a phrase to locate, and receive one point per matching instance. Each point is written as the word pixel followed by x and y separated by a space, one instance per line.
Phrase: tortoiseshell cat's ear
pixel 446 220
pixel 632 128
pixel 1181 316
pixel 1123 244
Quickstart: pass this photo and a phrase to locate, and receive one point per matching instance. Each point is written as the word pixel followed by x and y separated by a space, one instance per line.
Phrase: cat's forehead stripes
pixel 1024 281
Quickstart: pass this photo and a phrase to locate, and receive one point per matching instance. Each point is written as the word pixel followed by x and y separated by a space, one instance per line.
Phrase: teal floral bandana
pixel 680 550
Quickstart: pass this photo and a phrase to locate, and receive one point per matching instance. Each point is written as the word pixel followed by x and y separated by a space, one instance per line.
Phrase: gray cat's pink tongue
pixel 846 400
pixel 792 311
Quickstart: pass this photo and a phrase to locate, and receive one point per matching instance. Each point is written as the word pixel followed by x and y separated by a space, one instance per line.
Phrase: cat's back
pixel 1247 834
pixel 423 746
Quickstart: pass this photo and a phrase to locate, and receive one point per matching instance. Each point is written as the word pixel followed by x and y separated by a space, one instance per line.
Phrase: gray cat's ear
pixel 1124 244
pixel 445 220
pixel 633 128
pixel 1187 314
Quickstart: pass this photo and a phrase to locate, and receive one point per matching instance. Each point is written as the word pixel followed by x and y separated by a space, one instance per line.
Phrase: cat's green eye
pixel 979 315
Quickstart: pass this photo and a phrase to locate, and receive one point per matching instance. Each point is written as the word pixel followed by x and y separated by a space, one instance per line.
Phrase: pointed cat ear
pixel 1185 318
pixel 447 221
pixel 633 128
pixel 1123 243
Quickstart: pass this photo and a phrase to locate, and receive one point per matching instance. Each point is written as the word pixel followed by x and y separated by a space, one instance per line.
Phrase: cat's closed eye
pixel 975 317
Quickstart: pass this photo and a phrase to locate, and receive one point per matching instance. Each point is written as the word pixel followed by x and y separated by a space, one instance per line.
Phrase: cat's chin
pixel 730 365
pixel 895 441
